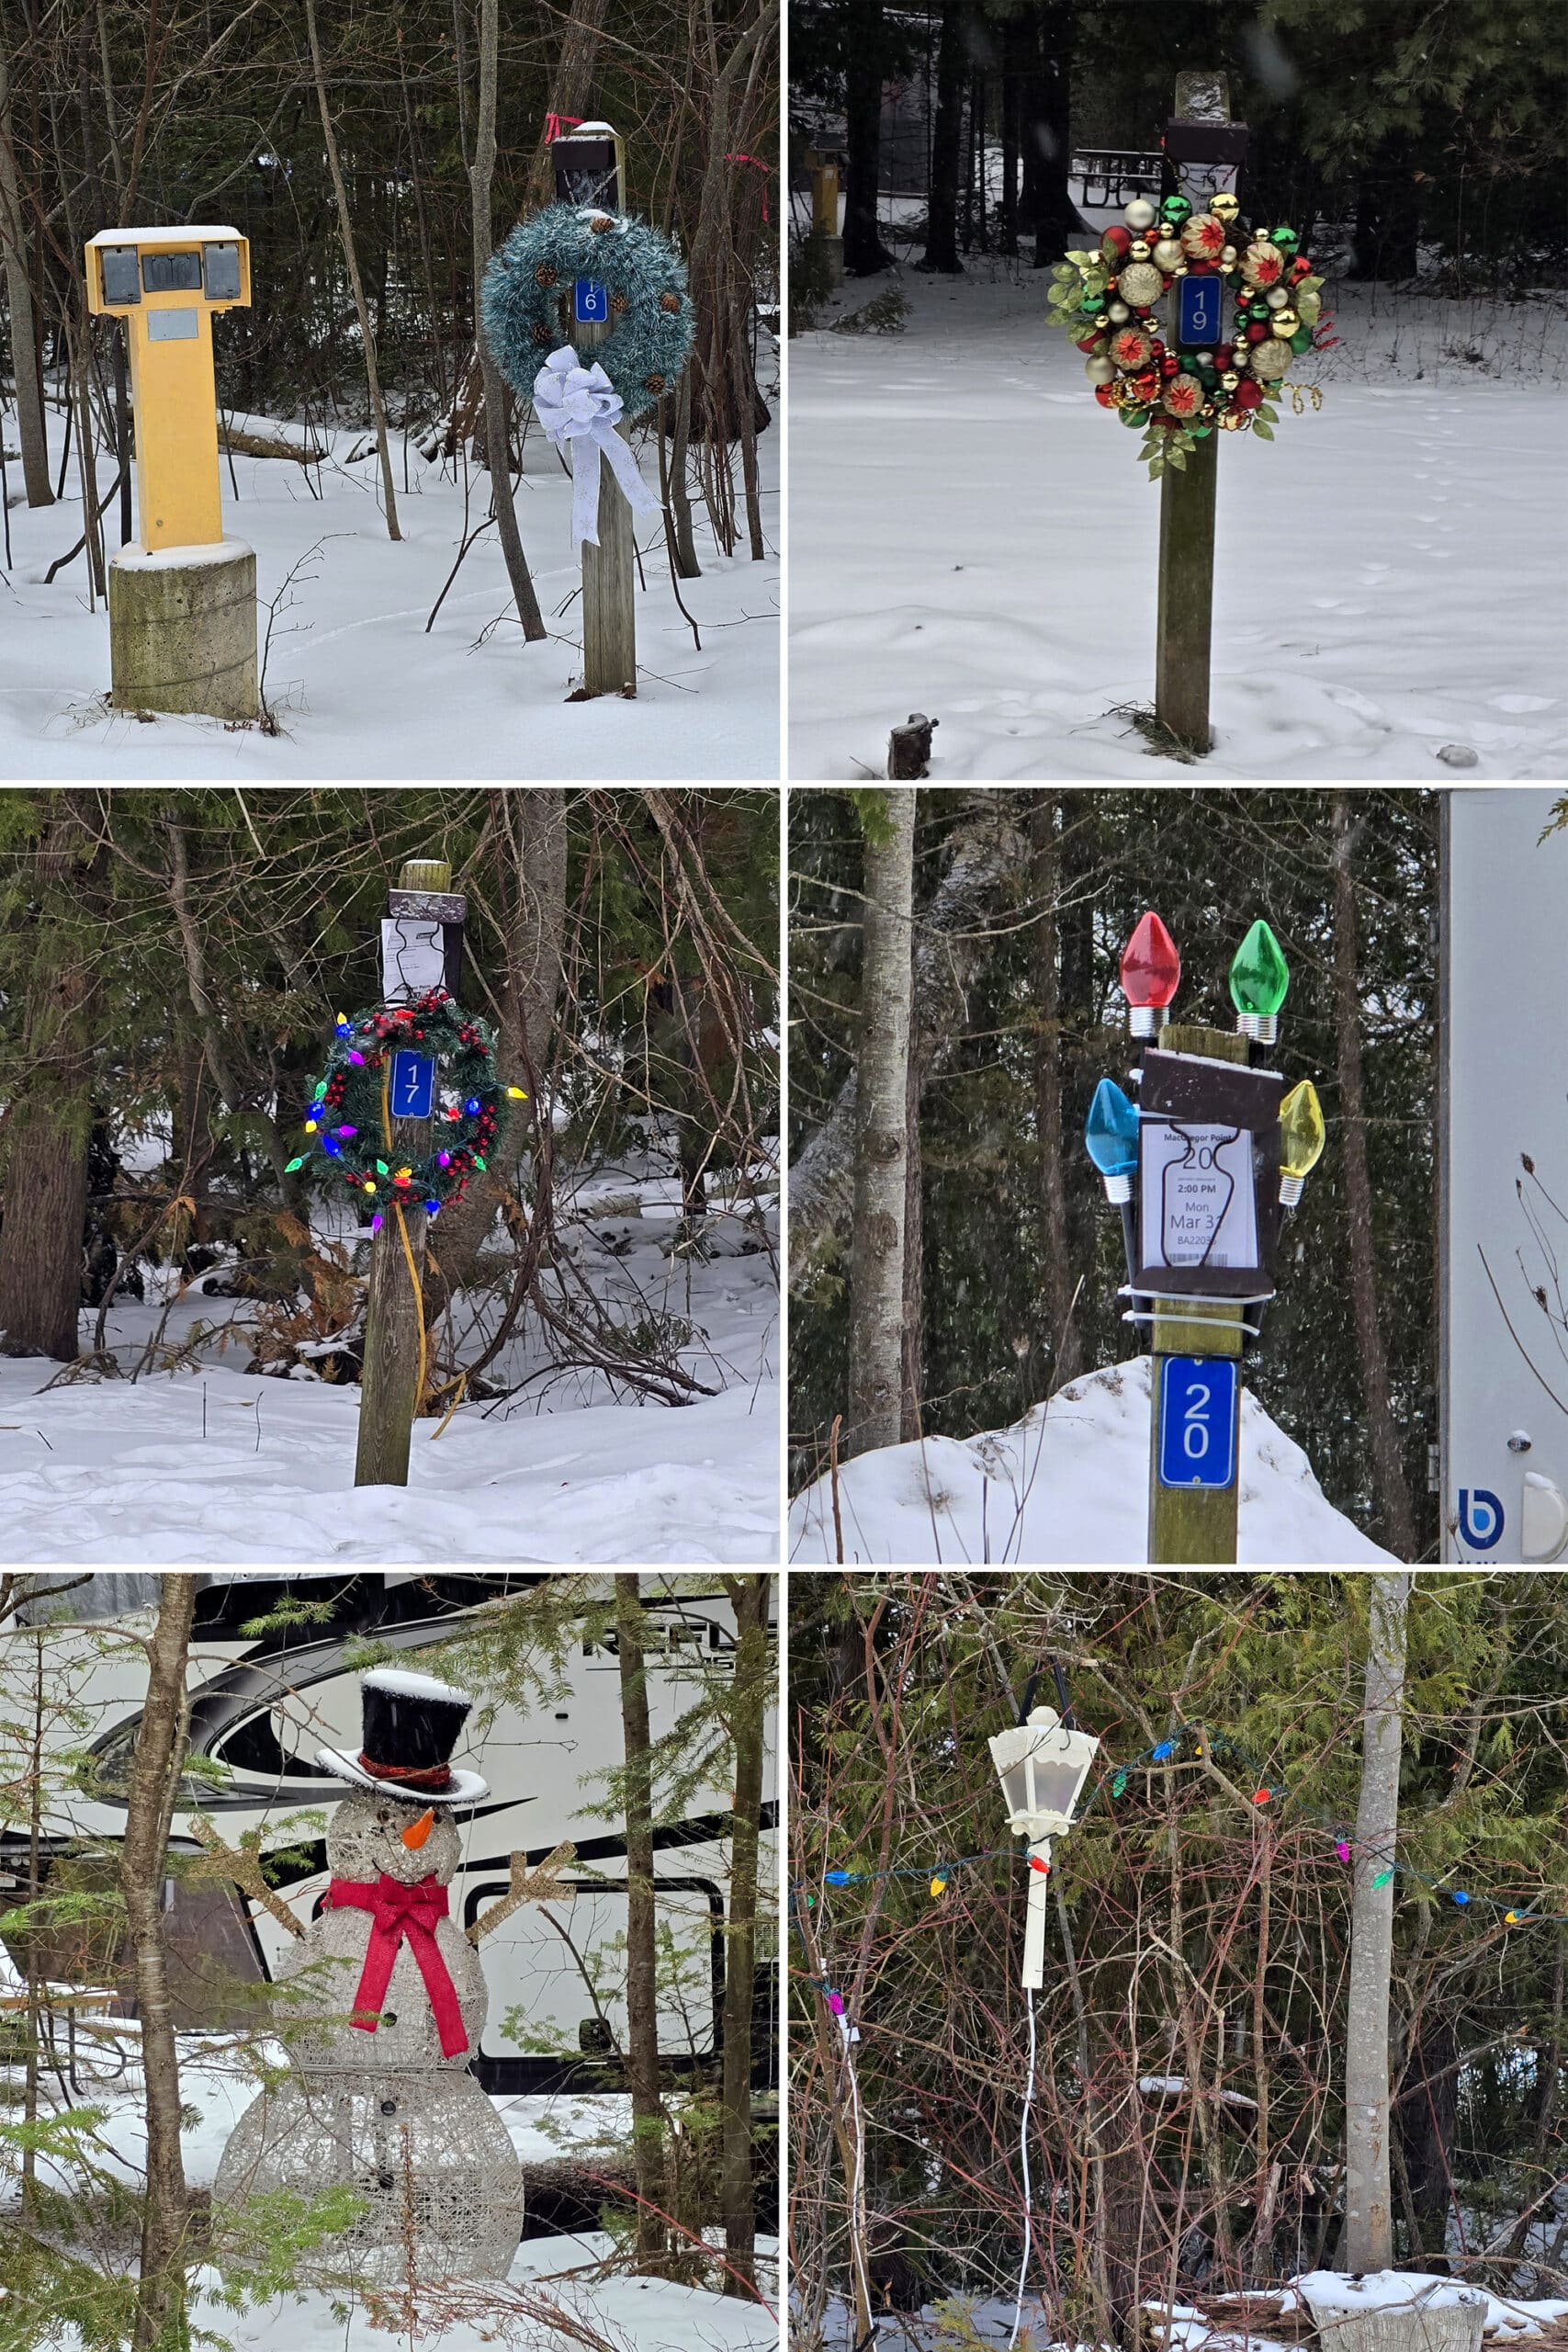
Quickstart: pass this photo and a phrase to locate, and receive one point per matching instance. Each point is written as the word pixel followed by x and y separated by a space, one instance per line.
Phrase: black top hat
pixel 411 1724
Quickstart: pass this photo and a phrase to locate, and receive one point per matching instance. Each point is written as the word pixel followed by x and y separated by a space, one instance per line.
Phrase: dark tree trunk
pixel 150 1798
pixel 642 1974
pixel 47 1132
pixel 865 253
pixel 1426 2121
pixel 749 1598
pixel 1388 1472
pixel 1055 1245
pixel 947 138
pixel 1013 95
pixel 1056 222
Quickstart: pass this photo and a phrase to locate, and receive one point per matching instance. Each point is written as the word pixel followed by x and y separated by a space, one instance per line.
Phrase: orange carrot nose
pixel 418 1831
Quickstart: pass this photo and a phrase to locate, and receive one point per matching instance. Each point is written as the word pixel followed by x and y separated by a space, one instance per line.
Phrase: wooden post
pixel 609 577
pixel 394 1311
pixel 1186 507
pixel 1187 596
pixel 1194 1526
pixel 609 570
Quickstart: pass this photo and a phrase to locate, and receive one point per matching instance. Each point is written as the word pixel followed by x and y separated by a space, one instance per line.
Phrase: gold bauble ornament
pixel 1270 360
pixel 1140 249
pixel 1141 284
pixel 1277 298
pixel 1223 207
pixel 1139 214
pixel 1103 320
pixel 1284 322
pixel 1227 257
pixel 1100 371
pixel 1230 379
pixel 1167 254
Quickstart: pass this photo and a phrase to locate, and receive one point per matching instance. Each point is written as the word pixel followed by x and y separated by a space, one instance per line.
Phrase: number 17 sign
pixel 1197 1420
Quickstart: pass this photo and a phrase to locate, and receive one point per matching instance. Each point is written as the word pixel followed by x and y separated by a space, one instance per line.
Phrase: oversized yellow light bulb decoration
pixel 1301 1138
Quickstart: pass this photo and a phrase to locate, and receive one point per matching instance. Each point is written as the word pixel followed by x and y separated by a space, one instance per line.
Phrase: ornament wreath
pixel 350 1117
pixel 1105 301
pixel 528 300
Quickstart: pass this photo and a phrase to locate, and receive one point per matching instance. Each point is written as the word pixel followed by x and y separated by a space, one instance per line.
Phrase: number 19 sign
pixel 1198 1417
pixel 1197 313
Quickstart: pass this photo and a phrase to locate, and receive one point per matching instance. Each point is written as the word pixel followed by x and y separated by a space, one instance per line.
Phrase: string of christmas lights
pixel 1112 1785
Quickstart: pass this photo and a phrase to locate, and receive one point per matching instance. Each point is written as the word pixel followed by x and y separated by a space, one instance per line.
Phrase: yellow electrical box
pixel 166 284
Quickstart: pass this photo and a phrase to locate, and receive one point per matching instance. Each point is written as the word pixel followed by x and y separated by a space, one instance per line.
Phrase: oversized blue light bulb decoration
pixel 1111 1136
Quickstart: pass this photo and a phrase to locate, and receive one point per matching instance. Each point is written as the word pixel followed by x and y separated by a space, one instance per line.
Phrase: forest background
pixel 1024 900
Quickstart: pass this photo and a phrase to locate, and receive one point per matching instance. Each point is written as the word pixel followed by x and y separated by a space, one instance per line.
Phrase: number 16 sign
pixel 1197 1422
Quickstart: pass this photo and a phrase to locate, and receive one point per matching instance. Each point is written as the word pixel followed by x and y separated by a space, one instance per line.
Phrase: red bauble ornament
pixel 1257 332
pixel 1090 343
pixel 1247 394
pixel 1118 239
pixel 1222 356
pixel 1169 366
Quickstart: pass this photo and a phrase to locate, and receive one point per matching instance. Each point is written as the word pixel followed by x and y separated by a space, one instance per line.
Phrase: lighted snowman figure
pixel 380 2098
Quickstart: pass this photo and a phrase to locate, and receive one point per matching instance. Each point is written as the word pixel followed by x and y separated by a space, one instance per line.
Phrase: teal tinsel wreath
pixel 349 1117
pixel 527 301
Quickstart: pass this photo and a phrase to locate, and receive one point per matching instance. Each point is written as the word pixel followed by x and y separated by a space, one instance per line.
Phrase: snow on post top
pixel 415 1686
pixel 164 236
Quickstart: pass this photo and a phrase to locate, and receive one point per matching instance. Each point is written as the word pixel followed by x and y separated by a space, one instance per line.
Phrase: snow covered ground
pixel 632 2315
pixel 1388 569
pixel 1184 2328
pixel 359 689
pixel 207 1464
pixel 1066 1486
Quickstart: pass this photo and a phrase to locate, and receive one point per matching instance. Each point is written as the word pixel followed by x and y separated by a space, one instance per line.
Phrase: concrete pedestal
pixel 831 250
pixel 183 630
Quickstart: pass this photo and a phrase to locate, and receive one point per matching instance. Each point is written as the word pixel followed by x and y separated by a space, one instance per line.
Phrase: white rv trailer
pixel 262 1707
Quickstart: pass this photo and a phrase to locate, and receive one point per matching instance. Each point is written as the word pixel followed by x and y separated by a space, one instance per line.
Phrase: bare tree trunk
pixel 571 89
pixel 1369 2213
pixel 983 854
pixel 346 227
pixel 1045 888
pixel 1394 1494
pixel 914 1369
pixel 642 2016
pixel 881 1073
pixel 498 436
pixel 23 325
pixel 530 865
pixel 153 1783
pixel 749 1700
pixel 49 1124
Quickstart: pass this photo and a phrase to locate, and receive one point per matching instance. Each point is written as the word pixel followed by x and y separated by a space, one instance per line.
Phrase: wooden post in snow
pixel 1194 1524
pixel 390 1383
pixel 1369 2204
pixel 1184 627
pixel 609 570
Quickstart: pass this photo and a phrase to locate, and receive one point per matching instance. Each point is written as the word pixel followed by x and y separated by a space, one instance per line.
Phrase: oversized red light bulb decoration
pixel 1151 973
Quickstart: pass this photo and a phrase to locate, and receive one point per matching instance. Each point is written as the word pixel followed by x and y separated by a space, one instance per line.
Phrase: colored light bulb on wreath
pixel 330 1145
pixel 1110 1138
pixel 1301 1138
pixel 376 1222
pixel 1151 974
pixel 1260 977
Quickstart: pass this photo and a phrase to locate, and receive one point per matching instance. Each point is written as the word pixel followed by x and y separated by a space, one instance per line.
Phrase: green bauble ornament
pixel 1188 363
pixel 1133 415
pixel 1286 238
pixel 1302 339
pixel 1176 210
pixel 1200 432
pixel 1091 303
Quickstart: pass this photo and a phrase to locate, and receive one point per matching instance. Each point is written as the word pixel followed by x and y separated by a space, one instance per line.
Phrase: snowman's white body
pixel 385 2112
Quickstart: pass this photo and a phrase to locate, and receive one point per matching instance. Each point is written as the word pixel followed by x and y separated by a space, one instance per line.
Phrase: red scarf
pixel 402 1911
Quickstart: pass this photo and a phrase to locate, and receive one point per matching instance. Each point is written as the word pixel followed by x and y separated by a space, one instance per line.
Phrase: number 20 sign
pixel 1197 1421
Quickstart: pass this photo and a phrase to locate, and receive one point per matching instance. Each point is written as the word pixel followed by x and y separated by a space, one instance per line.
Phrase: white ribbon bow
pixel 580 405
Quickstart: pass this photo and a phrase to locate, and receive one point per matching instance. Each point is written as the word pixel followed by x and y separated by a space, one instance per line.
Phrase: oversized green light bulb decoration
pixel 1260 977
pixel 1301 1138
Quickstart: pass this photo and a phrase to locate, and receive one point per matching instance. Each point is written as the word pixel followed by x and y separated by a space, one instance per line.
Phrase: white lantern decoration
pixel 1041 1766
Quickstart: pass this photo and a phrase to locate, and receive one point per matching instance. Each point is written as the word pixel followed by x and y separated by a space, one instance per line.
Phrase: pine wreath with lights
pixel 1106 301
pixel 527 301
pixel 350 1116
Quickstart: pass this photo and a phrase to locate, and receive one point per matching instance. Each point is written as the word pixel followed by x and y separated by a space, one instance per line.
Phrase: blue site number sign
pixel 592 302
pixel 1197 313
pixel 413 1086
pixel 1197 1420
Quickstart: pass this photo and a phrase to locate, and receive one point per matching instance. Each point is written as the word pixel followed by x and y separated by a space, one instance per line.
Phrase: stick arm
pixel 528 1886
pixel 246 1872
